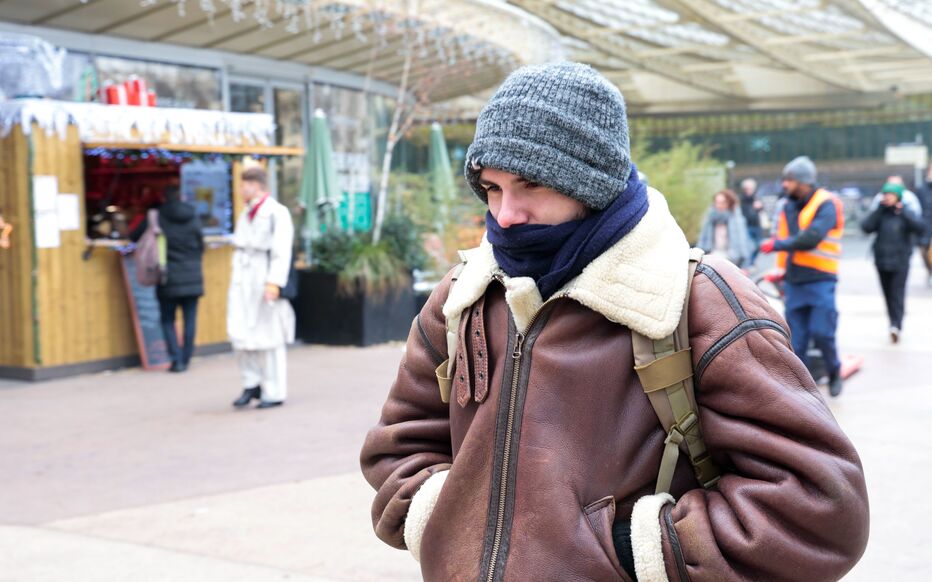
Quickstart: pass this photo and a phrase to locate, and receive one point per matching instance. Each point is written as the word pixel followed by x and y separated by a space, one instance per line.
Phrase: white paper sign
pixel 69 212
pixel 45 193
pixel 47 235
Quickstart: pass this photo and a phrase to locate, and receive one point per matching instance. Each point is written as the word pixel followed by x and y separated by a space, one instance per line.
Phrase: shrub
pixel 687 176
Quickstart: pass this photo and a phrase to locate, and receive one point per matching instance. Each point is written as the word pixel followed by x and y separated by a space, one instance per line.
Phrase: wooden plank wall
pixel 64 310
pixel 83 310
pixel 16 337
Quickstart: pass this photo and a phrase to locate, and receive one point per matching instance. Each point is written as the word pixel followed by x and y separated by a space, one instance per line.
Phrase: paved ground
pixel 152 477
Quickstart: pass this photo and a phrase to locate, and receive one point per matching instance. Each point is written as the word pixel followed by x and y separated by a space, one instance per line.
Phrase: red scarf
pixel 255 209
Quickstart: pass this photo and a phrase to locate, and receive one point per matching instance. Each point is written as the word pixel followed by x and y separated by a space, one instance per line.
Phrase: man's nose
pixel 511 212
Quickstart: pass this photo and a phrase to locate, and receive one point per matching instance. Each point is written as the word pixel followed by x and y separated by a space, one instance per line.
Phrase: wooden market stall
pixel 64 306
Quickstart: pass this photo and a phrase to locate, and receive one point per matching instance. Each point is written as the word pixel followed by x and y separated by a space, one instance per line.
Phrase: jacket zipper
pixel 516 354
pixel 506 454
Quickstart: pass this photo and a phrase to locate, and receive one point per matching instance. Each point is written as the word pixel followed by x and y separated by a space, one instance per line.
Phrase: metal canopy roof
pixel 665 55
pixel 681 55
pixel 454 51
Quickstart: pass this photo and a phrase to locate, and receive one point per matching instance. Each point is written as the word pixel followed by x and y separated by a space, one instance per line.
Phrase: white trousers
pixel 266 368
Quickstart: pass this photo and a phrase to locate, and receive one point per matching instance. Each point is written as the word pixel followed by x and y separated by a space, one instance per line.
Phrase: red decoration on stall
pixel 133 91
pixel 116 95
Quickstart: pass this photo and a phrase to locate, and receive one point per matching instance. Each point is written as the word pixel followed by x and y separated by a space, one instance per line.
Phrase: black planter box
pixel 326 316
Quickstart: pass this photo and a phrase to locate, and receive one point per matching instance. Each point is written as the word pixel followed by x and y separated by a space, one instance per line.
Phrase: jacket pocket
pixel 601 515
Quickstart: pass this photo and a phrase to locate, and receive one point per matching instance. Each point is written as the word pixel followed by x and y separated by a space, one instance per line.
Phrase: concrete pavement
pixel 151 476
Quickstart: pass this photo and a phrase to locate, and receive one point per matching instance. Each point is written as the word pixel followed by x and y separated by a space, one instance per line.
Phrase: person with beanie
pixel 517 441
pixel 808 247
pixel 896 226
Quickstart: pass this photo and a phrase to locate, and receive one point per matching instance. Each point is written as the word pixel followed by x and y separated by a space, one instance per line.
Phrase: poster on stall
pixel 45 193
pixel 206 186
pixel 45 211
pixel 69 212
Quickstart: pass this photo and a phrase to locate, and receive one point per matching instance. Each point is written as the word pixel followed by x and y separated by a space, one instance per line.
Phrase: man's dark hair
pixel 258 175
pixel 172 194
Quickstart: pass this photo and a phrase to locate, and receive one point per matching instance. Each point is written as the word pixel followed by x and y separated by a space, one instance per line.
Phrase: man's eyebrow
pixel 484 182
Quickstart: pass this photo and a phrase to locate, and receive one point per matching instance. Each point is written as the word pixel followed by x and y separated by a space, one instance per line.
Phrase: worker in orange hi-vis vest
pixel 808 246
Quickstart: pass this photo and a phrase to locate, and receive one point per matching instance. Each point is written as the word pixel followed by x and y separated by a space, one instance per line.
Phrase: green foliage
pixel 377 268
pixel 333 251
pixel 688 176
pixel 455 133
pixel 403 237
pixel 412 197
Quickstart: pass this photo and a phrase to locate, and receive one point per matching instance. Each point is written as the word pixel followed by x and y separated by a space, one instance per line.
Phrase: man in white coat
pixel 259 322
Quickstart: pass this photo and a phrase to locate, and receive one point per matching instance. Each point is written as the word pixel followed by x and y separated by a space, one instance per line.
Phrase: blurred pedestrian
pixel 751 209
pixel 259 321
pixel 532 452
pixel 724 232
pixel 925 199
pixel 184 282
pixel 809 231
pixel 909 199
pixel 896 227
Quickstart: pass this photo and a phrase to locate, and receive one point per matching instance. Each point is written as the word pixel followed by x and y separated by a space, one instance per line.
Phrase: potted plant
pixel 359 292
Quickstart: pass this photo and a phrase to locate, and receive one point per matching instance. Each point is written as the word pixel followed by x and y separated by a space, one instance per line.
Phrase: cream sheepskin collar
pixel 640 282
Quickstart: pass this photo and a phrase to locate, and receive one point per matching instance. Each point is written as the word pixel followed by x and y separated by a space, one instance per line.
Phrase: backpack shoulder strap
pixel 665 369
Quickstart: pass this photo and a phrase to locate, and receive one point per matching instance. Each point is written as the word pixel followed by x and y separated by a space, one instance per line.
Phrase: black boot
pixel 834 383
pixel 248 395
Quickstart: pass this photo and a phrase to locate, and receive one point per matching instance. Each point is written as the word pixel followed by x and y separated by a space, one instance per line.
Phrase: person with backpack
pixel 260 321
pixel 896 227
pixel 551 381
pixel 181 285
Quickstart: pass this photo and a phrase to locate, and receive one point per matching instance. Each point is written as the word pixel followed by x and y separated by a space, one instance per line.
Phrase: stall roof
pixel 459 46
pixel 128 126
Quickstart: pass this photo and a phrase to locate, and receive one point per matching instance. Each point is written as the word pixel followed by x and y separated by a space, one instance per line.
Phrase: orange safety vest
pixel 825 256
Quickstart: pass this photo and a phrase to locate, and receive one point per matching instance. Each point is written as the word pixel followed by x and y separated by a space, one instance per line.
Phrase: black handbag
pixel 290 290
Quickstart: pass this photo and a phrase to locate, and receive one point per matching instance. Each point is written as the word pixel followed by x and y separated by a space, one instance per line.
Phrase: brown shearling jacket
pixel 548 438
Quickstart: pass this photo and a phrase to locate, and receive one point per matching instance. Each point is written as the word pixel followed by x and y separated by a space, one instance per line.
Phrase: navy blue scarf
pixel 552 255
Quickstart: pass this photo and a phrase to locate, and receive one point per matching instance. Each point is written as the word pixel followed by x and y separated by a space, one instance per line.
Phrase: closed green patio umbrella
pixel 441 175
pixel 320 190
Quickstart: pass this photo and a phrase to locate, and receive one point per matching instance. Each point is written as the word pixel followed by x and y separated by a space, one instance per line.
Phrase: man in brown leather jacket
pixel 543 464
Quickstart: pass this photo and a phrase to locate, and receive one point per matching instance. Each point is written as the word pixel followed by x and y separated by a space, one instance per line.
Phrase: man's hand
pixel 272 292
pixel 766 247
pixel 774 276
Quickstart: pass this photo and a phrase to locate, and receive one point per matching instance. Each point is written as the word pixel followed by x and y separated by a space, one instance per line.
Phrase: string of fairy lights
pixel 423 31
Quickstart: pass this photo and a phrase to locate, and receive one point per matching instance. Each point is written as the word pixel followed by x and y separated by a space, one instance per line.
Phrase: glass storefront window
pixel 245 98
pixel 351 132
pixel 289 132
pixel 174 85
pixel 79 78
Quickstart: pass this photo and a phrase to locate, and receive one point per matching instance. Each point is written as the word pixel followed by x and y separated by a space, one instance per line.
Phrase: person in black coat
pixel 184 284
pixel 751 208
pixel 924 192
pixel 896 228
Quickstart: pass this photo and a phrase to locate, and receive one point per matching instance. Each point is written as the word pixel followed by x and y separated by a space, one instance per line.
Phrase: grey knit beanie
pixel 562 125
pixel 801 169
